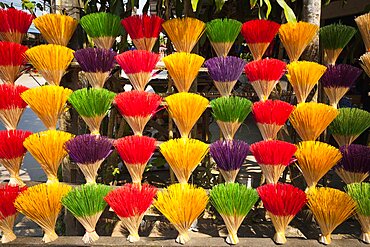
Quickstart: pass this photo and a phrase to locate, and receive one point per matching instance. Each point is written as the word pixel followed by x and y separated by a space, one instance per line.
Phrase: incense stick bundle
pixel 181 204
pixel 183 155
pixel 86 203
pixel 365 63
pixel 296 37
pixel 51 61
pixel 233 202
pixel 184 32
pixel 185 109
pixel 12 105
pixel 138 66
pixel 270 116
pixel 102 28
pixel 315 159
pixel 130 202
pixel 89 152
pixel 56 28
pixel 230 113
pixel 14 24
pixel 12 153
pixel 93 105
pixel 354 166
pixel 222 33
pixel 135 151
pixel 304 76
pixel 183 68
pixel 273 156
pixel 349 124
pixel 229 157
pixel 96 64
pixel 282 202
pixel 337 80
pixel 12 61
pixel 47 148
pixel 42 204
pixel 137 107
pixel 264 75
pixel 258 34
pixel 334 38
pixel 362 22
pixel 143 30
pixel 225 72
pixel 311 119
pixel 331 207
pixel 48 102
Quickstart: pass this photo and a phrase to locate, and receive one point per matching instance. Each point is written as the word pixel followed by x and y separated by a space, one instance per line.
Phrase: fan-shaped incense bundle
pixel 14 24
pixel 130 202
pixel 86 203
pixel 184 32
pixel 143 30
pixel 185 109
pixel 12 61
pixel 92 105
pixel 225 72
pixel 337 80
pixel 233 202
pixel 96 64
pixel 349 124
pixel 334 38
pixel 273 156
pixel 264 75
pixel 137 107
pixel 362 22
pixel 48 102
pixel 181 204
pixel 102 28
pixel 360 192
pixel 138 66
pixel 270 116
pixel 311 119
pixel 282 202
pixel 331 207
pixel 183 68
pixel 51 61
pixel 258 34
pixel 222 33
pixel 183 155
pixel 354 166
pixel 89 152
pixel 56 28
pixel 42 204
pixel 47 148
pixel 315 159
pixel 229 157
pixel 230 113
pixel 11 105
pixel 296 37
pixel 135 151
pixel 12 153
pixel 365 63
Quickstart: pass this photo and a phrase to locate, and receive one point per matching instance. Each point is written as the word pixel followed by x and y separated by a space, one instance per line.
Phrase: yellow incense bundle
pixel 365 63
pixel 363 25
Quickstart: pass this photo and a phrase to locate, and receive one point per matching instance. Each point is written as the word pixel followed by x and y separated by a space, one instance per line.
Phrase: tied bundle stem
pixel 365 63
pixel 362 22
pixel 12 61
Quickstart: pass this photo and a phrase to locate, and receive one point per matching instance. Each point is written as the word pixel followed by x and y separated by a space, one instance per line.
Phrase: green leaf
pixel 253 3
pixel 326 2
pixel 267 2
pixel 219 5
pixel 288 12
pixel 194 4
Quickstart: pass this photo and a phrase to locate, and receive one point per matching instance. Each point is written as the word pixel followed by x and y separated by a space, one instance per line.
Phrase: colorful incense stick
pixel 14 24
pixel 12 61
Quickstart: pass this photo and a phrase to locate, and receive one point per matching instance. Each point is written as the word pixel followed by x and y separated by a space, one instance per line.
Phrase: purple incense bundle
pixel 225 71
pixel 96 63
pixel 229 157
pixel 355 164
pixel 89 152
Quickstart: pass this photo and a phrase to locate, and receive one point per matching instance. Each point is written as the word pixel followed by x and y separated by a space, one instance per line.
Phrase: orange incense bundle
pixel 258 34
pixel 14 24
pixel 12 61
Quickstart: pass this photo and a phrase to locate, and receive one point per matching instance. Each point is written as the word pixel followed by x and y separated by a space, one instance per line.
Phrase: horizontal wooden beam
pixel 337 9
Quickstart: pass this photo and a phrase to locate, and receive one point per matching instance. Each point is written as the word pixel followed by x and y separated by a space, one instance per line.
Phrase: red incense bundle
pixel 14 24
pixel 12 61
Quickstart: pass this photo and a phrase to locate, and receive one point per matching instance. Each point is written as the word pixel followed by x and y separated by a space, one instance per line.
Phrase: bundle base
pixel 94 124
pixel 139 80
pixel 272 173
pixel 351 177
pixel 137 123
pixel 136 172
pixel 49 236
pixel 10 117
pixel 228 129
pixel 325 239
pixel 9 73
pixel 222 48
pixel 52 178
pixel 146 44
pixel 15 37
pixel 132 224
pixel 344 140
pixel 90 171
pixel 53 77
pixel 280 223
pixel 365 227
pixel 269 131
pixel 104 42
pixel 89 223
pixel 225 88
pixel 13 166
pixel 229 176
pixel 331 55
pixel 97 79
pixel 263 88
pixel 232 223
pixel 258 49
pixel 335 94
pixel 183 238
pixel 6 226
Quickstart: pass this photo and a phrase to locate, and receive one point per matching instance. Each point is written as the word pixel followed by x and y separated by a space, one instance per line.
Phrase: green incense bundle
pixel 102 27
pixel 230 113
pixel 233 201
pixel 222 34
pixel 349 124
pixel 334 38
pixel 86 203
pixel 92 104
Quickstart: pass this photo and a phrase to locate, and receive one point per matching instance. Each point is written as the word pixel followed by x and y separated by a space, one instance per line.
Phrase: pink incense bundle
pixel 12 61
pixel 14 24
